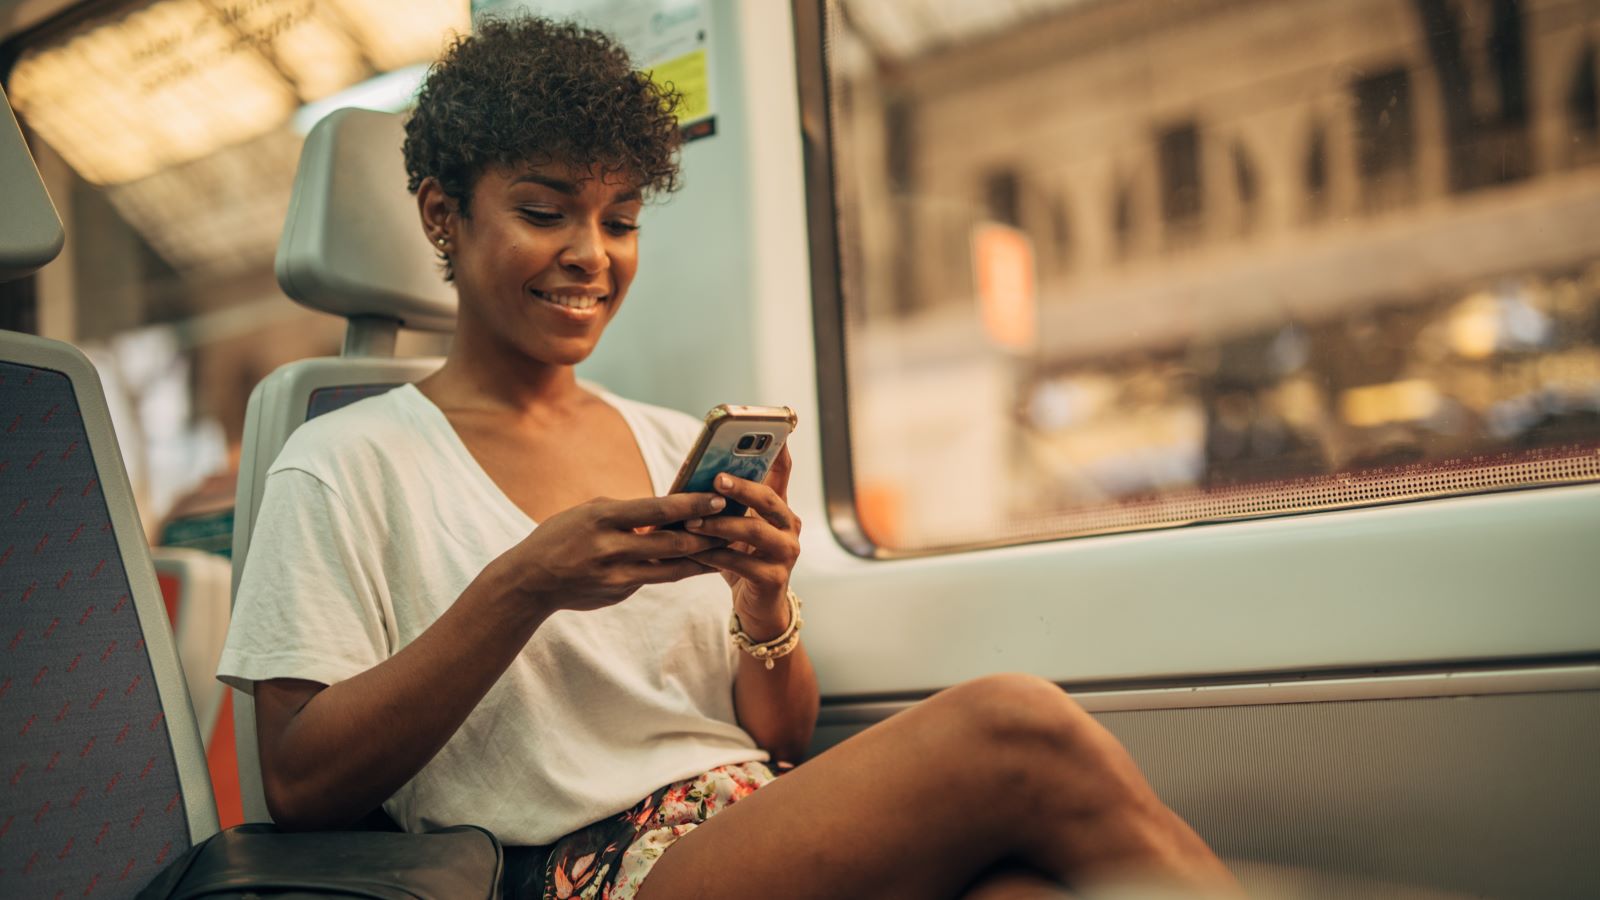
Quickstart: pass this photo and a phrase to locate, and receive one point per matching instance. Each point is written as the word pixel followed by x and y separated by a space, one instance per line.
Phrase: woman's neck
pixel 484 376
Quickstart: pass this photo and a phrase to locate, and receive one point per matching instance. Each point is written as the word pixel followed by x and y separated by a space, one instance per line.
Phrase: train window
pixel 168 132
pixel 1103 265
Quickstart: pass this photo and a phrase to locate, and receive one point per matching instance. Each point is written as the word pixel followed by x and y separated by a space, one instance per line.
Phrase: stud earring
pixel 439 241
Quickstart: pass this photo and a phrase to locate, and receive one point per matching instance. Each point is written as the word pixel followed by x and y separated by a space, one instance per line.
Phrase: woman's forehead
pixel 608 182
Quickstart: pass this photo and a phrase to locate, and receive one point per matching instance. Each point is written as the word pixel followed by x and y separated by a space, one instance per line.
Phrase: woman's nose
pixel 586 252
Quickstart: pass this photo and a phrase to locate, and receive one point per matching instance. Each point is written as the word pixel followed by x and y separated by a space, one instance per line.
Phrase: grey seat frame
pixel 183 732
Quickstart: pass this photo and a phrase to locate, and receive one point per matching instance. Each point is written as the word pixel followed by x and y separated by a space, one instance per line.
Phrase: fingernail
pixel 724 481
pixel 718 502
pixel 694 523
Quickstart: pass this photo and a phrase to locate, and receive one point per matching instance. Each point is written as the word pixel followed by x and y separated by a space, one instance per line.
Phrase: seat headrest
pixel 352 244
pixel 30 230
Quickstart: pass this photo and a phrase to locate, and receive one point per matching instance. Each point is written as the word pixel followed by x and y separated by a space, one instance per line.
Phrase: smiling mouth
pixel 576 302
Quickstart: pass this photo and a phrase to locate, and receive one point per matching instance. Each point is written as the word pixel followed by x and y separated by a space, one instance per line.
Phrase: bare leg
pixel 1006 767
pixel 1017 884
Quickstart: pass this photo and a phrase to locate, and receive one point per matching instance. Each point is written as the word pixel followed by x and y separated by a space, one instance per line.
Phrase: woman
pixel 414 639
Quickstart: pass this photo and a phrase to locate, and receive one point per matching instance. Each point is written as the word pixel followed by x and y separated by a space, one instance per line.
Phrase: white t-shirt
pixel 376 517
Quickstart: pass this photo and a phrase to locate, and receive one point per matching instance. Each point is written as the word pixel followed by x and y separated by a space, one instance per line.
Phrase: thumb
pixel 778 476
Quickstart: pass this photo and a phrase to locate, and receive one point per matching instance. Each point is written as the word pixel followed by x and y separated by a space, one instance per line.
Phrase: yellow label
pixel 687 73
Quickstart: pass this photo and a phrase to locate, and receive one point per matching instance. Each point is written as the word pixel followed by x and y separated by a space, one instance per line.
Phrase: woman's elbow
pixel 299 806
pixel 285 806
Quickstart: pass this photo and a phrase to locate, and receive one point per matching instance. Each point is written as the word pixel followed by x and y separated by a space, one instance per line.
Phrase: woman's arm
pixel 330 755
pixel 778 707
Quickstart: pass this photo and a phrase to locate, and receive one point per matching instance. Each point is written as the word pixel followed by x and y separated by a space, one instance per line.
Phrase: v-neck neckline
pixel 481 476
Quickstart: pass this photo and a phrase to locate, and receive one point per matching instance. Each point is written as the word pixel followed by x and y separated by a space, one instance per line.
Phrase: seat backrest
pixel 195 589
pixel 30 230
pixel 352 246
pixel 105 775
pixel 195 586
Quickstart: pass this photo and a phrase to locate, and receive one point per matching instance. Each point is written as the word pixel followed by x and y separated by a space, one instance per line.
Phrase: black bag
pixel 463 861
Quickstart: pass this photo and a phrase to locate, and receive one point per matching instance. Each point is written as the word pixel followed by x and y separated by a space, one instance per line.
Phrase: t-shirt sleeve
pixel 307 605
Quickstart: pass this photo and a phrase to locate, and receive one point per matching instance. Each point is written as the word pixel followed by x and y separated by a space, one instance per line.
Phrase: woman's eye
pixel 622 227
pixel 541 216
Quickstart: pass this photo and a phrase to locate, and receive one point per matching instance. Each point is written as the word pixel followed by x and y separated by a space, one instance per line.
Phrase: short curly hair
pixel 528 89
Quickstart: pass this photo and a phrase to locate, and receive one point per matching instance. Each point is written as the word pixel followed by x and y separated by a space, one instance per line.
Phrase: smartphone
pixel 740 440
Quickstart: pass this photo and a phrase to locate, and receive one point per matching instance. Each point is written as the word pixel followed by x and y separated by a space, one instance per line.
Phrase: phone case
pixel 717 449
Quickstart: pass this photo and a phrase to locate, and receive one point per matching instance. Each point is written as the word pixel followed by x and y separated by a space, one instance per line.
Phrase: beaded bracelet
pixel 778 647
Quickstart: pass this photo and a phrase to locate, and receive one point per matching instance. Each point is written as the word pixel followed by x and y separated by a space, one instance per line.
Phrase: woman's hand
pixel 593 555
pixel 762 548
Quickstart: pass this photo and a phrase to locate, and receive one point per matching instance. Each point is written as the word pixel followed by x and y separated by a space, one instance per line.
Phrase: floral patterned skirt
pixel 610 859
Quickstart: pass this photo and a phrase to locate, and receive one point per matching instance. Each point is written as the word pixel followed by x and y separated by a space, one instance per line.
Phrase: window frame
pixel 830 330
pixel 827 297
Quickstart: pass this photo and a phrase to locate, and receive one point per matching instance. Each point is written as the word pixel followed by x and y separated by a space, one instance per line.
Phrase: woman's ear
pixel 439 211
pixel 440 217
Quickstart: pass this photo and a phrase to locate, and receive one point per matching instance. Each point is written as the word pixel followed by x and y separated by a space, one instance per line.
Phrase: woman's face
pixel 545 256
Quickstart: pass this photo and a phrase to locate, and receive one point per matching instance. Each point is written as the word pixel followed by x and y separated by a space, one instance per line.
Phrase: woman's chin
pixel 562 353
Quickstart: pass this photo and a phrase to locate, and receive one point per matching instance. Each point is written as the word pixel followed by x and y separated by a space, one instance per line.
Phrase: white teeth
pixel 570 302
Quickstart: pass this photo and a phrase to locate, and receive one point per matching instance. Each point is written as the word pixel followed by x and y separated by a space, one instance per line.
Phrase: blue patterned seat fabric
pixel 92 806
pixel 326 400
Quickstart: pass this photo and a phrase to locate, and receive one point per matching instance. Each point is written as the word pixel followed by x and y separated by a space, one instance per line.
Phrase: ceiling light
pixel 177 80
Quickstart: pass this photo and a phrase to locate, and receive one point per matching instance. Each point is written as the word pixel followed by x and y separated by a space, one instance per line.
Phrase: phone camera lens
pixel 747 442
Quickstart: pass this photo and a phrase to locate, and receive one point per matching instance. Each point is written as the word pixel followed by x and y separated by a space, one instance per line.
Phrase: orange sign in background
pixel 1002 265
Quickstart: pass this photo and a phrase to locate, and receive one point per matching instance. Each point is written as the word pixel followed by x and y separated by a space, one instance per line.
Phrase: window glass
pixel 168 133
pixel 1118 264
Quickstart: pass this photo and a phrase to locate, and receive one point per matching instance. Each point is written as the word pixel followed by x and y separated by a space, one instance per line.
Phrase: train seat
pixel 195 588
pixel 105 776
pixel 30 231
pixel 351 246
pixel 106 772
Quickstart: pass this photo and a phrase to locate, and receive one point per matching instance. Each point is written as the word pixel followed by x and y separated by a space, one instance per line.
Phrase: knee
pixel 1028 737
pixel 1015 713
